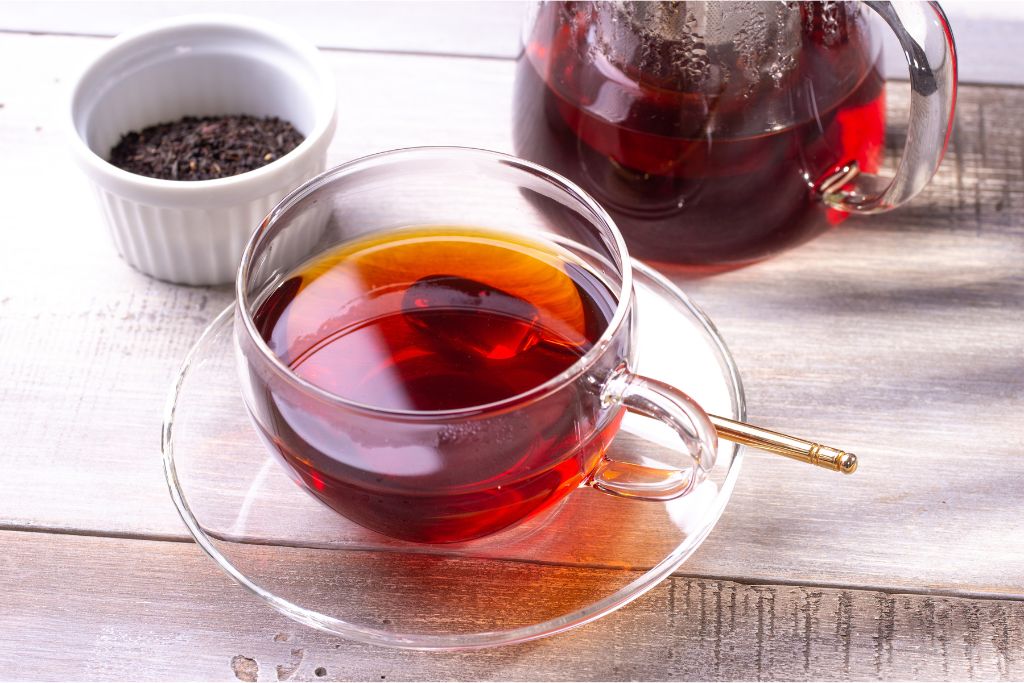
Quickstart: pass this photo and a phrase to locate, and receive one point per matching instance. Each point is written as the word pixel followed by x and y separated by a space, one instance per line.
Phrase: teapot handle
pixel 927 41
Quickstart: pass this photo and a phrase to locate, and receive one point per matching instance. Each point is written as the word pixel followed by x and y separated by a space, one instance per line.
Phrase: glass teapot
pixel 719 133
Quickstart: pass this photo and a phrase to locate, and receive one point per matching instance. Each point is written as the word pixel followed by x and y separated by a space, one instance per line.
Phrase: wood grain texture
pixel 170 614
pixel 898 337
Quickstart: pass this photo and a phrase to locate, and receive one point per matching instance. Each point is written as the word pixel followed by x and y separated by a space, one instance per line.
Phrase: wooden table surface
pixel 900 337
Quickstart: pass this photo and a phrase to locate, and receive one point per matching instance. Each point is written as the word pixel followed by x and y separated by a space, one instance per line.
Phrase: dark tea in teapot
pixel 704 128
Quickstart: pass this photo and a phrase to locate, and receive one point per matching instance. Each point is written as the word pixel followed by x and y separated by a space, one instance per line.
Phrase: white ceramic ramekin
pixel 193 232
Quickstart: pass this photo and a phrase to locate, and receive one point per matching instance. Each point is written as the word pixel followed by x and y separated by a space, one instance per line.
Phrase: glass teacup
pixel 442 472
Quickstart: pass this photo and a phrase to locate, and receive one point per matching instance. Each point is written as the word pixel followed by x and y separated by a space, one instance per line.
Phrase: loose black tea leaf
pixel 203 148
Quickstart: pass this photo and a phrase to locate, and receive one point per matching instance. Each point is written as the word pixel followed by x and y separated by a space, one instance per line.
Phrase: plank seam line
pixel 92 533
pixel 867 587
pixel 356 50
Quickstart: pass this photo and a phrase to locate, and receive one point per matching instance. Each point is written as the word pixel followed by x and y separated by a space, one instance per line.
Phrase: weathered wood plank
pixel 985 32
pixel 484 29
pixel 89 340
pixel 898 337
pixel 171 615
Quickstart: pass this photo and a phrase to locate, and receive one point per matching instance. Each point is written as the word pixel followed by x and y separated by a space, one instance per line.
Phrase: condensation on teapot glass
pixel 739 51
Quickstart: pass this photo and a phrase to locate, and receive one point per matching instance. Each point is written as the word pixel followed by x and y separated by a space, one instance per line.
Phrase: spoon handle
pixel 782 444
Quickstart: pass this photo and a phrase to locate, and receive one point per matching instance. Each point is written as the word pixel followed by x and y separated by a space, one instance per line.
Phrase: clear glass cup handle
pixel 927 41
pixel 663 402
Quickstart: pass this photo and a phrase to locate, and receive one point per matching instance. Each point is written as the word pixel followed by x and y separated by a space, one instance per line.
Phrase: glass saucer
pixel 590 556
